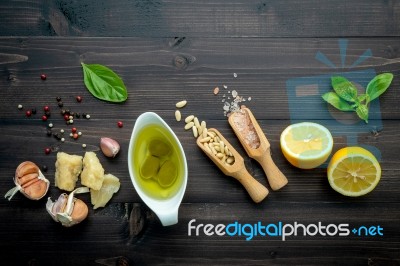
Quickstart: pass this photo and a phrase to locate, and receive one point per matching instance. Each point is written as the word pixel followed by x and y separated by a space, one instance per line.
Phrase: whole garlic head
pixel 30 181
pixel 67 209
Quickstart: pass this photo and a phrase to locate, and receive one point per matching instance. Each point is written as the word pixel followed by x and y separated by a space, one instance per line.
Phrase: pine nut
pixel 222 146
pixel 196 122
pixel 189 125
pixel 200 130
pixel 211 134
pixel 212 149
pixel 203 125
pixel 207 148
pixel 230 160
pixel 207 139
pixel 205 132
pixel 195 133
pixel 220 155
pixel 226 150
pixel 181 104
pixel 217 148
pixel 178 115
pixel 189 118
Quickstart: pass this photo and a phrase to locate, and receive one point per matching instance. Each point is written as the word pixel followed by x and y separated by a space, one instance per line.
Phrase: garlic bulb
pixel 67 209
pixel 30 181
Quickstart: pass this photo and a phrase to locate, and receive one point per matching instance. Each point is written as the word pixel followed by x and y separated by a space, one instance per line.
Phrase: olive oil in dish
pixel 157 164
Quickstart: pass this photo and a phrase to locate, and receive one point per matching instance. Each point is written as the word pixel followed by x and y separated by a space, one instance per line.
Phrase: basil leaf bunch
pixel 103 83
pixel 345 96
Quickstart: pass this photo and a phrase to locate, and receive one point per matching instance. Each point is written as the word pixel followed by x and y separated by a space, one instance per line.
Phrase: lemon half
pixel 354 171
pixel 306 145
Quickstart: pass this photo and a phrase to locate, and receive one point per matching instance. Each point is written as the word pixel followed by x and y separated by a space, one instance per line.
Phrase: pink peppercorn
pixel 120 124
pixel 47 150
pixel 43 77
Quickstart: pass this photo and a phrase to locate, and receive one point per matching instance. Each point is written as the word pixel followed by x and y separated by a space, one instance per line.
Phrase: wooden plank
pixel 148 243
pixel 206 182
pixel 191 70
pixel 162 18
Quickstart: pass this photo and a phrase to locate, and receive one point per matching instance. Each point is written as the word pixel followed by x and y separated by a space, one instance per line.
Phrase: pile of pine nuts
pixel 212 143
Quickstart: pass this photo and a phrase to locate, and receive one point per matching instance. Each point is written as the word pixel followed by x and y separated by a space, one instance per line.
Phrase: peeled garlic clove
pixel 67 209
pixel 109 147
pixel 30 181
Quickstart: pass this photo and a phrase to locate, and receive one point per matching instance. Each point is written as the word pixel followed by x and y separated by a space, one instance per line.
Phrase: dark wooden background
pixel 166 51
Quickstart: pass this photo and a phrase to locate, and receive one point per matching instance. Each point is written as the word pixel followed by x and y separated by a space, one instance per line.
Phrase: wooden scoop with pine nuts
pixel 230 162
pixel 256 145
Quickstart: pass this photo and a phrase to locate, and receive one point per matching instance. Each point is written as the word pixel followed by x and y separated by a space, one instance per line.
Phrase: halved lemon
pixel 354 171
pixel 306 145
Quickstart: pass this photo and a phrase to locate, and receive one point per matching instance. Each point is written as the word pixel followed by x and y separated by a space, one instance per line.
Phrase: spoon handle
pixel 276 178
pixel 255 189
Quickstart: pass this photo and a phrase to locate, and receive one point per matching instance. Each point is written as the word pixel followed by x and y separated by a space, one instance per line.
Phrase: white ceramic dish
pixel 165 209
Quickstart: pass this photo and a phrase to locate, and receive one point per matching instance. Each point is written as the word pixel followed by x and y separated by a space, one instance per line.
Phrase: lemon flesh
pixel 306 145
pixel 354 171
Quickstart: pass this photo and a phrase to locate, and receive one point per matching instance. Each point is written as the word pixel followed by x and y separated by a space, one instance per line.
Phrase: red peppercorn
pixel 43 77
pixel 47 150
pixel 28 113
pixel 66 117
pixel 78 99
pixel 46 108
pixel 73 130
pixel 75 136
pixel 120 124
pixel 44 118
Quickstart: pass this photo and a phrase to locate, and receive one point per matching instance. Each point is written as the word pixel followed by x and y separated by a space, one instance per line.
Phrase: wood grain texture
pixel 160 18
pixel 166 51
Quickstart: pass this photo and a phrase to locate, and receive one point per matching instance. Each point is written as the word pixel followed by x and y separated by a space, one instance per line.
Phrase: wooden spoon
pixel 262 153
pixel 236 170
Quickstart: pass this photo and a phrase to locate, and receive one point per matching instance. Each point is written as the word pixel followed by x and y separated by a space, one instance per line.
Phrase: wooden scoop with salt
pixel 256 145
pixel 234 168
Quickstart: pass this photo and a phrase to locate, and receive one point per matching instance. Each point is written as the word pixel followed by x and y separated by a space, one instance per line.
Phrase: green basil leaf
pixel 103 83
pixel 344 88
pixel 379 85
pixel 335 80
pixel 362 97
pixel 362 112
pixel 337 102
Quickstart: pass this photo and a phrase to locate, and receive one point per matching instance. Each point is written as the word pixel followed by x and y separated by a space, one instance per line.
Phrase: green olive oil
pixel 157 163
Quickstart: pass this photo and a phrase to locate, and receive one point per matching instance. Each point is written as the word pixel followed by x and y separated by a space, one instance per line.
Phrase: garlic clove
pixel 109 147
pixel 30 181
pixel 67 209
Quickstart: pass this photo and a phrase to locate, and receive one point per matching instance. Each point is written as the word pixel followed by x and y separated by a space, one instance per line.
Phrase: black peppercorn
pixel 33 111
pixel 67 111
pixel 49 133
pixel 58 98
pixel 60 104
pixel 77 115
pixel 44 168
pixel 47 113
pixel 83 114
pixel 63 111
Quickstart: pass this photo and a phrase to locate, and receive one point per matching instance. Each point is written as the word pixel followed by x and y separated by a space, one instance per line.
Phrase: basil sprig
pixel 103 83
pixel 345 96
